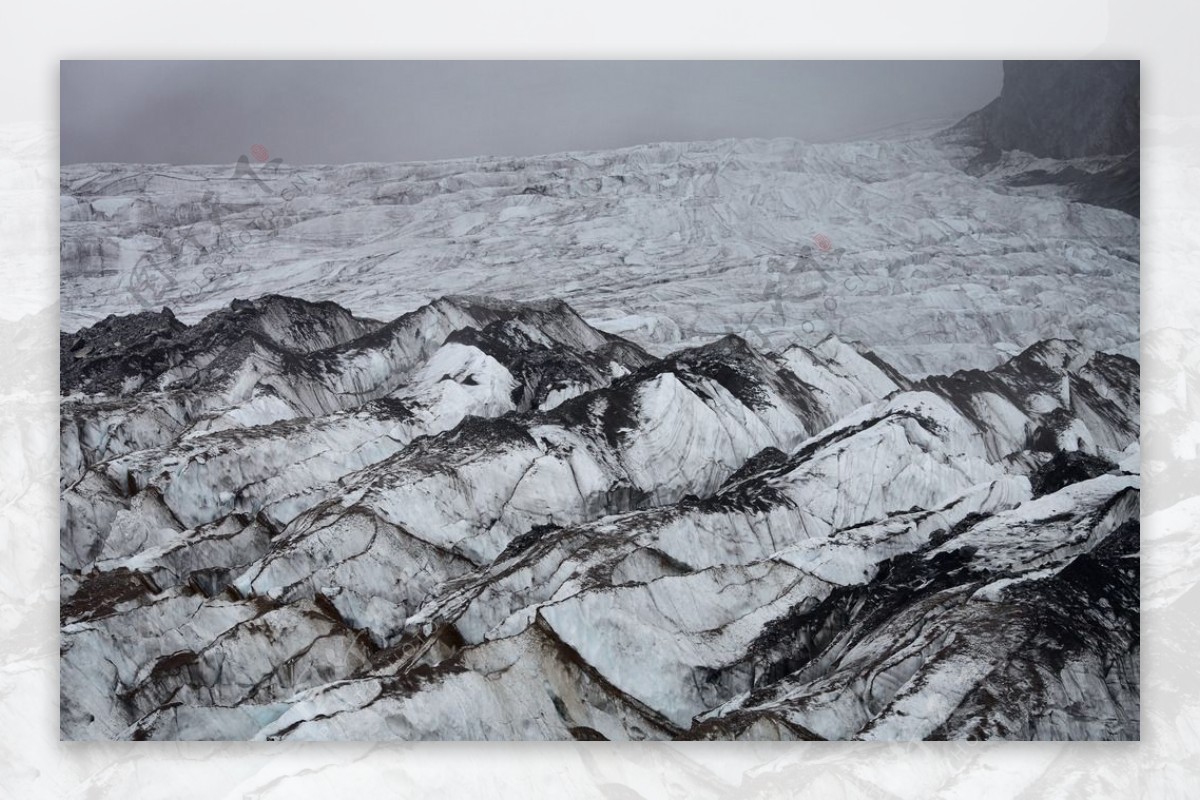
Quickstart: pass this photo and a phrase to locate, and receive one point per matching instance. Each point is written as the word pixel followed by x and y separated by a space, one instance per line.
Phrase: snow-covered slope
pixel 489 519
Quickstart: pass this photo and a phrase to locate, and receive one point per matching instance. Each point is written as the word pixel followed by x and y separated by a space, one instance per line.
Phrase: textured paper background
pixel 1166 763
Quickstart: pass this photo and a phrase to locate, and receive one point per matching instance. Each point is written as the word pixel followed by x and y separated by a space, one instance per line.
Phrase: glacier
pixel 668 245
pixel 734 440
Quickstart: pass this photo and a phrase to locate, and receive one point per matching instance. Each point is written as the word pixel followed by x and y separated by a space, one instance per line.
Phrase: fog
pixel 329 112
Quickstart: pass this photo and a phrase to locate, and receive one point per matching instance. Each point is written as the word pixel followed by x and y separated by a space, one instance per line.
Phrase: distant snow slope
pixel 890 243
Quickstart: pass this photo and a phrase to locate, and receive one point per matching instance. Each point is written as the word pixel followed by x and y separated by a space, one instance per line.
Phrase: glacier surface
pixel 726 440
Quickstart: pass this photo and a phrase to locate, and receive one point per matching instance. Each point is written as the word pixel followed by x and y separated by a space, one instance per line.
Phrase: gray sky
pixel 330 112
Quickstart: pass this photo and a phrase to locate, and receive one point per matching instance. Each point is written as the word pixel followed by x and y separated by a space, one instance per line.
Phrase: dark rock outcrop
pixel 1064 109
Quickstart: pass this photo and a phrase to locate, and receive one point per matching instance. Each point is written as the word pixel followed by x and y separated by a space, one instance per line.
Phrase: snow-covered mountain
pixel 489 519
